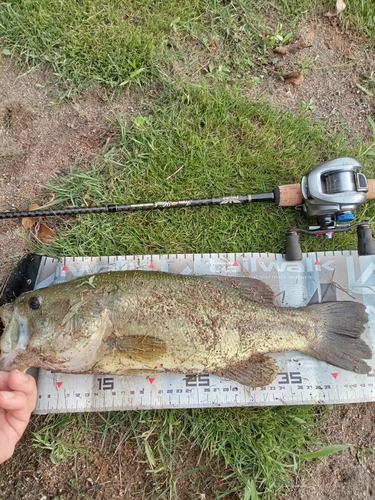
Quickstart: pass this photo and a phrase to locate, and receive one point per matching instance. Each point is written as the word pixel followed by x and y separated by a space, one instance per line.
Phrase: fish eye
pixel 35 303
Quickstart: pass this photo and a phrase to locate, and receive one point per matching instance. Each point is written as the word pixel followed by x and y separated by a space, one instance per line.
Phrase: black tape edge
pixel 21 279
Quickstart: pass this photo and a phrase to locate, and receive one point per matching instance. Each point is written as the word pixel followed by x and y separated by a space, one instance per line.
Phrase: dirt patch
pixel 40 139
pixel 348 474
pixel 106 470
pixel 333 63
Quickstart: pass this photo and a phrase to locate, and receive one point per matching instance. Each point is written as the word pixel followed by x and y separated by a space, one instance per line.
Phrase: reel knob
pixel 366 244
pixel 293 248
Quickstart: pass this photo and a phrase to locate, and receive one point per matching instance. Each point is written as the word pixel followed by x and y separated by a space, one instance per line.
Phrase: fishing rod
pixel 329 193
pixel 340 176
pixel 283 195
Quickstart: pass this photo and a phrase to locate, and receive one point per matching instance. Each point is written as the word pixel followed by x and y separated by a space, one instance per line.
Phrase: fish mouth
pixel 7 341
pixel 14 336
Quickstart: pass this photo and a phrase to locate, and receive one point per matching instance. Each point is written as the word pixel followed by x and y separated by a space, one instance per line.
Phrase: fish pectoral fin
pixel 257 371
pixel 142 348
pixel 253 289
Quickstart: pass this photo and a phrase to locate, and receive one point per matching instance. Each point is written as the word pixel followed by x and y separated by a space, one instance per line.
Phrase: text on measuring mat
pixel 191 382
pixel 202 381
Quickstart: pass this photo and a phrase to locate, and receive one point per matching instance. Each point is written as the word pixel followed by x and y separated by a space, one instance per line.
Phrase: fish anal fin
pixel 251 288
pixel 141 348
pixel 257 371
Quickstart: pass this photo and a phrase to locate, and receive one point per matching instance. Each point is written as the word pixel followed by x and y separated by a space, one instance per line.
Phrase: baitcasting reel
pixel 331 192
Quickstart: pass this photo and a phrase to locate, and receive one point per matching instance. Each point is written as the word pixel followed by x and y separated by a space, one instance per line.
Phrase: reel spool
pixel 332 191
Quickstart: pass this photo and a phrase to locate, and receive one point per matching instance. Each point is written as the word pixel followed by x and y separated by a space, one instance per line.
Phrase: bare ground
pixel 349 474
pixel 39 140
pixel 333 64
pixel 109 471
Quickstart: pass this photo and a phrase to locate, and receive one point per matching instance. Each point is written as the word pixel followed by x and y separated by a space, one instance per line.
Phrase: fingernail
pixel 22 377
pixel 8 394
pixel 1 378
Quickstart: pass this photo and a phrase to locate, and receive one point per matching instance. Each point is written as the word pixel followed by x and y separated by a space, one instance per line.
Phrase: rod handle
pixel 370 195
pixel 289 195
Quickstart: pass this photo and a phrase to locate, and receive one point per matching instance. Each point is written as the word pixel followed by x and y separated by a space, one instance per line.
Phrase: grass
pixel 115 43
pixel 198 137
pixel 360 13
pixel 112 42
pixel 197 142
pixel 161 440
pixel 130 42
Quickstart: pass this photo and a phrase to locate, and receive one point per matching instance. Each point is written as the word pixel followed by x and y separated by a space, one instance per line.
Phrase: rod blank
pixel 133 207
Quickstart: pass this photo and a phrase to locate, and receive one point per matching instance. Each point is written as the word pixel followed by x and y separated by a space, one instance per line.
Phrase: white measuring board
pixel 319 277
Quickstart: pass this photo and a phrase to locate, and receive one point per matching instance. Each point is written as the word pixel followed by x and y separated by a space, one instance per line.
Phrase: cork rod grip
pixel 289 195
pixel 370 195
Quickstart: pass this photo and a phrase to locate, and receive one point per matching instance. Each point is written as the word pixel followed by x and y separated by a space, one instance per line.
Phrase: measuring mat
pixel 319 277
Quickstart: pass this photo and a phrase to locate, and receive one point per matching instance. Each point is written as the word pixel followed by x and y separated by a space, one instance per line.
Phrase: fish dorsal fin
pixel 142 348
pixel 257 371
pixel 251 288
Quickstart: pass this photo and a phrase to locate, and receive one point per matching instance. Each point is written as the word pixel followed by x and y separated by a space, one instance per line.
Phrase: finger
pixel 4 381
pixel 22 382
pixel 17 409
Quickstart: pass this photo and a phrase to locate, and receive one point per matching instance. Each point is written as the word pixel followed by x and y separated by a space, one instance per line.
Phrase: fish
pixel 148 322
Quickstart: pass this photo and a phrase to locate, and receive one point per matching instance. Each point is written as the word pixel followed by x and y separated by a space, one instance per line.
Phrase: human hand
pixel 17 401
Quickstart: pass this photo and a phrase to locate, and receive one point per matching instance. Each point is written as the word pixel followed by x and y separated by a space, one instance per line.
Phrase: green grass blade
pixel 250 491
pixel 326 450
pixel 372 123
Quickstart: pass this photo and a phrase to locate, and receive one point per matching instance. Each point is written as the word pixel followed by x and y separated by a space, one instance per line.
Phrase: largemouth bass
pixel 142 322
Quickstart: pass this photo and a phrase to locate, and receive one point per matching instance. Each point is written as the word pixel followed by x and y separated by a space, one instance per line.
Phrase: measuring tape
pixel 319 277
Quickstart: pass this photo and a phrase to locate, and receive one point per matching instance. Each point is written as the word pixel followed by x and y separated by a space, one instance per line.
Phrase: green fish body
pixel 136 322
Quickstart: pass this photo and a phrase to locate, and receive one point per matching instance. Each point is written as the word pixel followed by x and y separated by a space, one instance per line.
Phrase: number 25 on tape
pixel 197 380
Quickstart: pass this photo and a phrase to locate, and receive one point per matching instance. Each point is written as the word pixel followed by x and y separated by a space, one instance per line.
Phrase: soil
pixel 333 64
pixel 110 471
pixel 39 140
pixel 350 474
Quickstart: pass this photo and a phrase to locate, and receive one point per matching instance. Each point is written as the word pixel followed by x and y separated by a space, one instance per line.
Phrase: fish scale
pixel 322 276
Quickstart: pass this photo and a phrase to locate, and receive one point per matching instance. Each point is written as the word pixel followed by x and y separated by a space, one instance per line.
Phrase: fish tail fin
pixel 338 342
